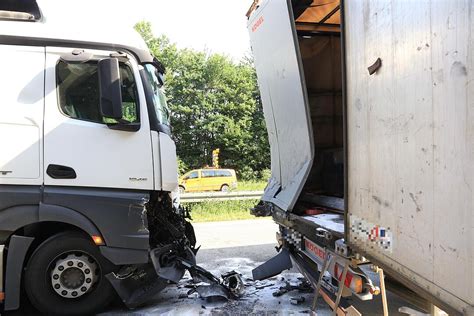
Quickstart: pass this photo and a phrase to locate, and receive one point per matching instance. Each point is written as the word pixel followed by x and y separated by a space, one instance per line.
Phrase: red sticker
pixel 257 24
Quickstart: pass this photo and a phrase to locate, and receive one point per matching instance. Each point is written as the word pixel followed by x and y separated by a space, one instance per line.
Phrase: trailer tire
pixel 65 276
pixel 224 188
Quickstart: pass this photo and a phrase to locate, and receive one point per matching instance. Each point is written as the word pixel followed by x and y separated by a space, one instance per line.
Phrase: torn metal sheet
pixel 212 292
pixel 274 266
pixel 211 288
pixel 262 209
pixel 173 252
pixel 172 241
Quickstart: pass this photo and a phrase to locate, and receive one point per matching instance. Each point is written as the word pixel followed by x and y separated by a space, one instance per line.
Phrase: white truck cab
pixel 88 169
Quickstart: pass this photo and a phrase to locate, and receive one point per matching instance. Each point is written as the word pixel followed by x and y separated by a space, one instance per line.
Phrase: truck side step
pixel 274 266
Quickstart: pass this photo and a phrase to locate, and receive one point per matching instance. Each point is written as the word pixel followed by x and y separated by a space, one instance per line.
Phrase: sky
pixel 218 26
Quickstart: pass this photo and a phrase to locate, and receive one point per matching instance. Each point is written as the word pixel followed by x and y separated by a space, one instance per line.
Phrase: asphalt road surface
pixel 240 246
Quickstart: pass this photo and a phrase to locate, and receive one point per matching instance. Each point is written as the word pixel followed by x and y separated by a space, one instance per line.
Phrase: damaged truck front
pixel 369 115
pixel 88 168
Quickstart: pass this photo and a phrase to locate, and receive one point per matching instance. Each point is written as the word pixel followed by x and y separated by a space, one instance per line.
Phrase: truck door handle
pixel 61 172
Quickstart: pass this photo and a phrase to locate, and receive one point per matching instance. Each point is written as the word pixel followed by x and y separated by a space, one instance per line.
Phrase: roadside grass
pixel 214 211
pixel 251 185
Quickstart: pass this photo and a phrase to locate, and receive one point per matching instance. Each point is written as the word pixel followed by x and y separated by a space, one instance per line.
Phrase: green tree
pixel 215 104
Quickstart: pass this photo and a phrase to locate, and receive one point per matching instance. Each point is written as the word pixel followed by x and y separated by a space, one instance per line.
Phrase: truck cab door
pixel 80 149
pixel 21 115
pixel 285 103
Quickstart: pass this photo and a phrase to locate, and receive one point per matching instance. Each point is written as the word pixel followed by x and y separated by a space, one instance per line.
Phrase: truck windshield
pixel 159 99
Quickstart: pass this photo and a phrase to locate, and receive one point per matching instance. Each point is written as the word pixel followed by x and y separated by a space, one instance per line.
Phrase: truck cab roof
pixel 81 34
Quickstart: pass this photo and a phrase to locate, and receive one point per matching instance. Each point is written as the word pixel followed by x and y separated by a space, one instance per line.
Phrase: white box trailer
pixel 370 108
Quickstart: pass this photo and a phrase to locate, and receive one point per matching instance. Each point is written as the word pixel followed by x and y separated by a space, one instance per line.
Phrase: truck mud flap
pixel 274 266
pixel 137 287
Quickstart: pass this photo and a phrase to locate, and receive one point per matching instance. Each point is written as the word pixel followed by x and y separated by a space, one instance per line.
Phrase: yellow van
pixel 208 180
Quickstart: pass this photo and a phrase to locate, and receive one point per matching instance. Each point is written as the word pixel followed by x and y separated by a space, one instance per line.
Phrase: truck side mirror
pixel 110 89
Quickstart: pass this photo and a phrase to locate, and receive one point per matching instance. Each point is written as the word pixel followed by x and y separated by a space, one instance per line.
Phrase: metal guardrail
pixel 220 196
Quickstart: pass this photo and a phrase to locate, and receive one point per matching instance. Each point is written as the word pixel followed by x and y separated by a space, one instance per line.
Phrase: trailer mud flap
pixel 274 266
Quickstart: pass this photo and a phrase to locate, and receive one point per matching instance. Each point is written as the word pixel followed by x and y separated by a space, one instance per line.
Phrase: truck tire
pixel 65 276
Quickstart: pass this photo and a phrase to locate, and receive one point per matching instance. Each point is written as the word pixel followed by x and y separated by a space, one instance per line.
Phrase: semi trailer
pixel 369 111
pixel 88 168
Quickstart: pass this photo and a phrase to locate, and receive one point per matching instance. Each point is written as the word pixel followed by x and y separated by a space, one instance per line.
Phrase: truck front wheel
pixel 65 276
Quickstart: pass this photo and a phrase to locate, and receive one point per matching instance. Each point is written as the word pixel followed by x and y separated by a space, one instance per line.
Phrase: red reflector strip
pixel 353 281
pixel 349 275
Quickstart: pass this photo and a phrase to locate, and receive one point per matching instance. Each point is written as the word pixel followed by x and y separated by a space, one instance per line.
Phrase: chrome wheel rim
pixel 74 275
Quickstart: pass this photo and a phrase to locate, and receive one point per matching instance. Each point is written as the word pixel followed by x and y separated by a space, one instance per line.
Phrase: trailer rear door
pixel 284 98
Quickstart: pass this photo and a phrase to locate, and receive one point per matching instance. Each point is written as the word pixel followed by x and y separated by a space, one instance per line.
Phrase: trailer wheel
pixel 65 276
pixel 224 188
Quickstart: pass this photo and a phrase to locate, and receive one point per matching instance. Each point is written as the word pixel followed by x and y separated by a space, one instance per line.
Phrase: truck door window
pixel 78 92
pixel 159 99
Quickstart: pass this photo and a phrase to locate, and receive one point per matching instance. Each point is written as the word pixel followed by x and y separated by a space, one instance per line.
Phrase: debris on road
pixel 184 298
pixel 233 281
pixel 302 287
pixel 262 286
pixel 211 288
pixel 297 300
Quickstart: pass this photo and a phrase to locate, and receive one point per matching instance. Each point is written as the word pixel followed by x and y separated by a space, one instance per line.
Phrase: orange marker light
pixel 357 287
pixel 2 296
pixel 97 240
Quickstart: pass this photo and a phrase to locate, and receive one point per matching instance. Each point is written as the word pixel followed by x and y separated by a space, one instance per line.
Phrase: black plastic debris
pixel 297 300
pixel 233 281
pixel 135 287
pixel 302 287
pixel 167 262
